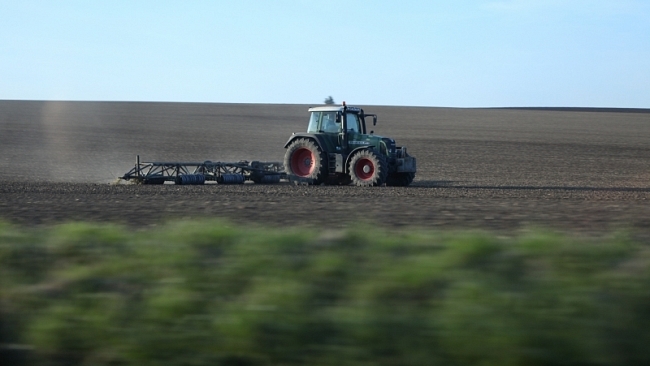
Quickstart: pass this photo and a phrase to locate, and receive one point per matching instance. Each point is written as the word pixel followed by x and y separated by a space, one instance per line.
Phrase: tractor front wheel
pixel 306 160
pixel 368 168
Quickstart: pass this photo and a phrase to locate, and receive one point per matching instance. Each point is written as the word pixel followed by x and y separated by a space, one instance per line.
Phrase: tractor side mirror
pixel 374 119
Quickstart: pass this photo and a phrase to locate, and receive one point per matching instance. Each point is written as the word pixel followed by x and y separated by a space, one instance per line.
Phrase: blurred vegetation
pixel 209 293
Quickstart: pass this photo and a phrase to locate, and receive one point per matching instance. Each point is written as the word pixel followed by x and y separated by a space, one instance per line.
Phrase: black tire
pixel 305 160
pixel 256 175
pixel 400 179
pixel 156 180
pixel 368 168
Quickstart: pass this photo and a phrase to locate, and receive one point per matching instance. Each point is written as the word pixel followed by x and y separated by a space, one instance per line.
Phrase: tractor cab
pixel 337 120
pixel 342 128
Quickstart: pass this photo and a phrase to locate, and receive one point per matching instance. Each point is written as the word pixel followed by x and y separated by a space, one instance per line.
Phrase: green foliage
pixel 329 100
pixel 208 293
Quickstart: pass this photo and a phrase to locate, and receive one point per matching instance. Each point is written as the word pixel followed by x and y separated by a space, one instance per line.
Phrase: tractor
pixel 336 149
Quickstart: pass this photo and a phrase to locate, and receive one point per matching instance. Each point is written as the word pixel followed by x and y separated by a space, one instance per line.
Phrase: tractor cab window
pixel 323 122
pixel 313 122
pixel 353 122
pixel 328 123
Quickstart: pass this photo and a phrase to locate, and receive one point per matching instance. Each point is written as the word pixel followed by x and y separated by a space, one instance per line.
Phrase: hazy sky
pixel 450 53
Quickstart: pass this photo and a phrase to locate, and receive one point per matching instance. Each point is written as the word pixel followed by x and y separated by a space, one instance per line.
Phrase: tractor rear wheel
pixel 306 160
pixel 368 168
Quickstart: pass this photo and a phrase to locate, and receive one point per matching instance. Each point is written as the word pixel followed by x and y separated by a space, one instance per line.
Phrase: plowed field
pixel 504 169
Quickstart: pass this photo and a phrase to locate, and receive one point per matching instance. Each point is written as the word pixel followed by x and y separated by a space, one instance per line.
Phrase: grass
pixel 209 293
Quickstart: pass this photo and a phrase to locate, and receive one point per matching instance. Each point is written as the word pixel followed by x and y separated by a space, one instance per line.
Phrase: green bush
pixel 208 293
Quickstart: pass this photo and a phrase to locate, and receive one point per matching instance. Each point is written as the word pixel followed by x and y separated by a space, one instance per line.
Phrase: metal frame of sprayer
pixel 188 173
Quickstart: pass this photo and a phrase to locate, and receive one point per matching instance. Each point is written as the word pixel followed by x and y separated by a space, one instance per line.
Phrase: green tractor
pixel 336 149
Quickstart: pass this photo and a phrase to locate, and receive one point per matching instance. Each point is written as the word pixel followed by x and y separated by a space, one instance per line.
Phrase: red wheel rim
pixel 364 169
pixel 302 162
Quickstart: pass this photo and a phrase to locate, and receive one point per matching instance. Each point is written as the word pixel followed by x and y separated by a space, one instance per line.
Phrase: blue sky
pixel 474 53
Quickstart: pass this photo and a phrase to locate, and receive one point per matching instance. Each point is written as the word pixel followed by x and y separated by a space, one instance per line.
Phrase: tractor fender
pixel 305 135
pixel 351 154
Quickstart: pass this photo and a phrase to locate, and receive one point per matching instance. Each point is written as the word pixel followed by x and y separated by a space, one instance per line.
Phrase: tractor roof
pixel 333 108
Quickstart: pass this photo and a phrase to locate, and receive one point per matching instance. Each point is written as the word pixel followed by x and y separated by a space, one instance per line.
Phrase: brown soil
pixel 502 169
